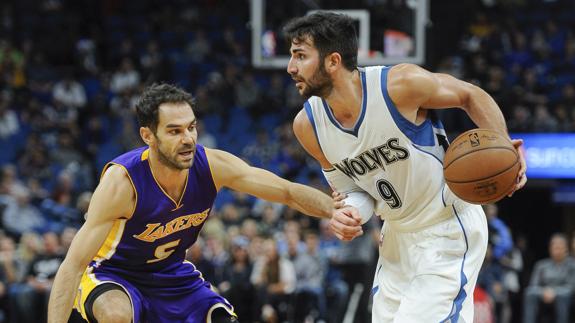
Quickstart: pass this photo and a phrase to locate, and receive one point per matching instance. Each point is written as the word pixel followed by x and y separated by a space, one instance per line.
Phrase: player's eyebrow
pixel 295 50
pixel 175 125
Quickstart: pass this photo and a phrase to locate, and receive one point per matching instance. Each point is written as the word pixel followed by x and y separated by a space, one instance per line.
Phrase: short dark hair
pixel 156 95
pixel 330 33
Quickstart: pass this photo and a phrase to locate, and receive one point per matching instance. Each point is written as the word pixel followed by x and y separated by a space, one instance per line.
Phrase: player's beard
pixel 319 84
pixel 171 161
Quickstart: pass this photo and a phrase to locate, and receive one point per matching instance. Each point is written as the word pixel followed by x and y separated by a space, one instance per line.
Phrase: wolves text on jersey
pixel 371 159
pixel 156 231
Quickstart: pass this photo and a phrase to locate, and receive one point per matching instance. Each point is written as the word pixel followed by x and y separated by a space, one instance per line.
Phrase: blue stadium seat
pixel 92 86
pixel 107 152
pixel 212 123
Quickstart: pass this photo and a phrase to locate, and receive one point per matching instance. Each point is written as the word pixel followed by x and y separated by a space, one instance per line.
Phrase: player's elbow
pixel 468 94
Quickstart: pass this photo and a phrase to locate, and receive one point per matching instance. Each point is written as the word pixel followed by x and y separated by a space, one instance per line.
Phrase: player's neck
pixel 346 97
pixel 172 180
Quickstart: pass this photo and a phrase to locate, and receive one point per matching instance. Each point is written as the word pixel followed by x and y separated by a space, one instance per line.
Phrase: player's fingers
pixel 342 237
pixel 521 181
pixel 523 163
pixel 338 196
pixel 339 234
pixel 354 213
pixel 338 204
pixel 345 229
pixel 345 217
pixel 521 177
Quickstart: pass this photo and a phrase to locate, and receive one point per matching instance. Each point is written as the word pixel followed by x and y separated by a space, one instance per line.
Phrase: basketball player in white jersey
pixel 374 132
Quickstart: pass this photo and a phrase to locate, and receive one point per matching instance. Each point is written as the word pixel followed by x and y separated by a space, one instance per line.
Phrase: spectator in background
pixel 543 121
pixel 311 268
pixel 561 114
pixel 356 262
pixel 29 248
pixel 59 209
pixel 499 234
pixel 490 279
pixel 199 47
pixel 218 255
pixel 125 78
pixel 34 292
pixel 248 93
pixel 9 124
pixel 513 264
pixel 9 181
pixel 236 285
pixel 205 138
pixel 152 61
pixel 552 282
pixel 289 235
pixel 12 65
pixel 20 216
pixel 520 119
pixel 66 238
pixel 275 279
pixel 337 289
pixel 69 92
pixel 195 255
pixel 262 150
pixel 230 215
pixel 34 161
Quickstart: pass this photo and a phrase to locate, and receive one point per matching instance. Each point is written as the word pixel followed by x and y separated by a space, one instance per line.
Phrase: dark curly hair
pixel 154 96
pixel 330 32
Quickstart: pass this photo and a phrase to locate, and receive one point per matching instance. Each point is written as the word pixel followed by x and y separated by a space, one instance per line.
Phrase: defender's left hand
pixel 521 177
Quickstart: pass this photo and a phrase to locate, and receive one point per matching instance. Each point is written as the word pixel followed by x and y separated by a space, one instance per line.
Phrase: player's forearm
pixel 310 201
pixel 484 111
pixel 63 294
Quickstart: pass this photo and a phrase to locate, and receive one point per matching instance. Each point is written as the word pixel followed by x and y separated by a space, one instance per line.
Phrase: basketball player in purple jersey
pixel 126 264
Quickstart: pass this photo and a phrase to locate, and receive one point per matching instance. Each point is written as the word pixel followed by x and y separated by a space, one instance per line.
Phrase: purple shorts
pixel 177 294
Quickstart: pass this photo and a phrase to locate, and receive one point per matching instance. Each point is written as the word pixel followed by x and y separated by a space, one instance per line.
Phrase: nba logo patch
pixel 474 139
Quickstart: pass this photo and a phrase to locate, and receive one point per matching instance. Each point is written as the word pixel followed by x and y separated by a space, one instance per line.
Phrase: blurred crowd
pixel 71 71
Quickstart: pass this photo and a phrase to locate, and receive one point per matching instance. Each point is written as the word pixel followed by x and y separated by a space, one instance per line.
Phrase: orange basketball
pixel 481 166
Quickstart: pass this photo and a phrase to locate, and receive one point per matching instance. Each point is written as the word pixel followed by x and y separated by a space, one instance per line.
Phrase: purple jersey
pixel 160 229
pixel 145 253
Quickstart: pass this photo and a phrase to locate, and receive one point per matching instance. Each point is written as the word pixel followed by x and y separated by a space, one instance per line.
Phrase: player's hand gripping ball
pixel 481 166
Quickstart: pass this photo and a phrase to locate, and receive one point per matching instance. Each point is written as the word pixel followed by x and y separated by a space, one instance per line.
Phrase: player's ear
pixel 332 62
pixel 147 135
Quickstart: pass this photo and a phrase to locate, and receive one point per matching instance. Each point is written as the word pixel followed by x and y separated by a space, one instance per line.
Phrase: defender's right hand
pixel 346 223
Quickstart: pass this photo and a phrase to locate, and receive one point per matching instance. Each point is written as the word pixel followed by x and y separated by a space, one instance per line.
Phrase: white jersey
pixel 398 163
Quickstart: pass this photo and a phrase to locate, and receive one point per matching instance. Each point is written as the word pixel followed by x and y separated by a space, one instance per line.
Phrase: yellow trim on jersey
pixel 210 167
pixel 195 269
pixel 131 182
pixel 108 249
pixel 87 285
pixel 145 154
pixel 218 305
pixel 177 204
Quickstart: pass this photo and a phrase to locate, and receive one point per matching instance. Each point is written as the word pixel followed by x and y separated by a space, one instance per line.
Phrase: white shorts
pixel 430 275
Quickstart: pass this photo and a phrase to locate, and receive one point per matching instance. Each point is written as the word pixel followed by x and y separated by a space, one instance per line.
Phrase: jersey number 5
pixel 388 194
pixel 162 251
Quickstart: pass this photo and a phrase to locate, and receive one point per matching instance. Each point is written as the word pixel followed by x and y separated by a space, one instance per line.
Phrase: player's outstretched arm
pixel 113 198
pixel 232 172
pixel 344 220
pixel 412 87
